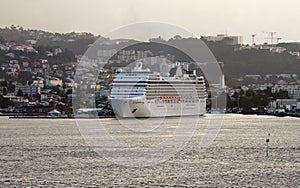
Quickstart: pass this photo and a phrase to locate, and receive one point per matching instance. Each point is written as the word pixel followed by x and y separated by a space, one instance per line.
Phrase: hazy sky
pixel 201 17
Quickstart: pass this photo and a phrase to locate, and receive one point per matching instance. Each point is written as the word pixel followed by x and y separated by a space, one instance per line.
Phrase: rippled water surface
pixel 52 152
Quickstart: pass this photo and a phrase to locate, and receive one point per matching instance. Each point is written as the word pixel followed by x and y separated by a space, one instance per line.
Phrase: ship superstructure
pixel 142 93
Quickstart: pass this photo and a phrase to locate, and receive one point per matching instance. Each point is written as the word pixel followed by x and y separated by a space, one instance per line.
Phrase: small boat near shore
pixel 280 112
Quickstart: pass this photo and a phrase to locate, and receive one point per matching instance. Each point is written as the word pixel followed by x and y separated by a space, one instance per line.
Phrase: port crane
pixel 272 33
pixel 278 39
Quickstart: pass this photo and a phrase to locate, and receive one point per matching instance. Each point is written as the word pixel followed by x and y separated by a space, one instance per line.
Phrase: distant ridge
pixel 236 63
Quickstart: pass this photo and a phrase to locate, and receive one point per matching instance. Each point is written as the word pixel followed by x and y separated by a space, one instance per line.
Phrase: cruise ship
pixel 142 93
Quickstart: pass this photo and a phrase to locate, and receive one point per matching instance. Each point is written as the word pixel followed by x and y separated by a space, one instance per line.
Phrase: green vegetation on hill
pixel 295 46
pixel 236 63
pixel 76 42
pixel 78 46
pixel 253 61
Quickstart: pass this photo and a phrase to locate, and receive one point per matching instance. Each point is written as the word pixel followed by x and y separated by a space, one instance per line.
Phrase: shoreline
pixel 39 116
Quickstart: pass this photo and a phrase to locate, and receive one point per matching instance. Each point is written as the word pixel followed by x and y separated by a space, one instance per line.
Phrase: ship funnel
pixel 178 72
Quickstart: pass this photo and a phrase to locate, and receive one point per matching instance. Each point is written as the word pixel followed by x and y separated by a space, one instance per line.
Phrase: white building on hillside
pixel 292 89
pixel 235 39
pixel 53 82
pixel 28 90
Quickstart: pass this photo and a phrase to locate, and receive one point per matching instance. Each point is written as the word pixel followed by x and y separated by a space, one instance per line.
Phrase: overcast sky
pixel 201 17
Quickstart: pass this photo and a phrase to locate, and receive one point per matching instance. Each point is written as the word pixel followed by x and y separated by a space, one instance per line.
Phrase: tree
pixel 11 87
pixel 24 76
pixel 30 82
pixel 20 93
pixel 4 91
pixel 246 104
pixel 250 93
pixel 38 97
pixel 5 103
pixel 2 41
pixel 177 37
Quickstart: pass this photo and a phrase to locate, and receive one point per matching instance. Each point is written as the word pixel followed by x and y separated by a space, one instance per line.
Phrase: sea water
pixel 54 152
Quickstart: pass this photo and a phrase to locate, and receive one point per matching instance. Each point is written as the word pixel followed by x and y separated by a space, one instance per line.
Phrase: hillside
pixel 253 61
pixel 295 46
pixel 76 42
pixel 236 63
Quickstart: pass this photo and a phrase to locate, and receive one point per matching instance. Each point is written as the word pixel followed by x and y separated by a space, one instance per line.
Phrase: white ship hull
pixel 141 107
pixel 140 93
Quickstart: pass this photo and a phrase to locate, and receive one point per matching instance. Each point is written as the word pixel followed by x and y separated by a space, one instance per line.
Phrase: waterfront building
pixel 289 104
pixel 292 89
